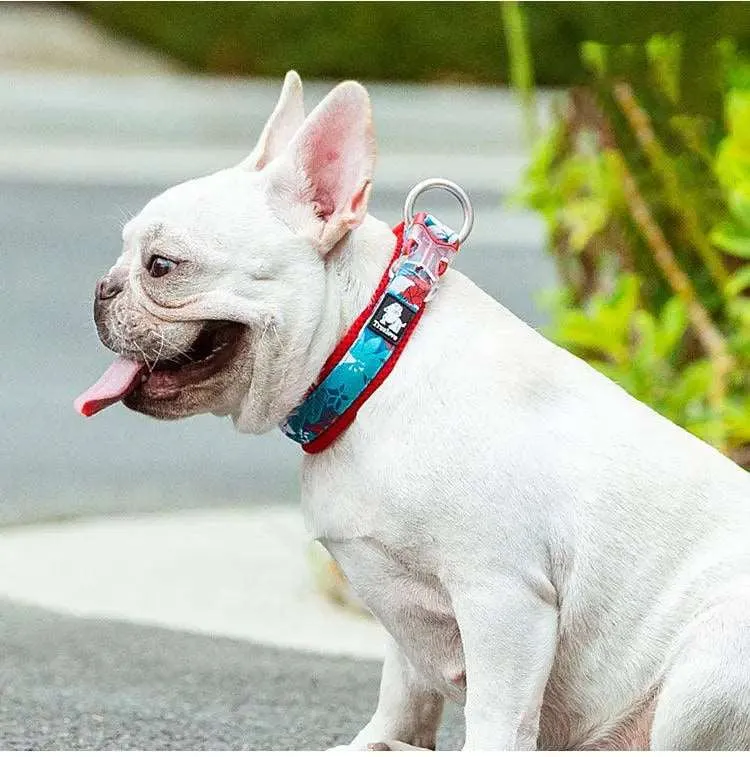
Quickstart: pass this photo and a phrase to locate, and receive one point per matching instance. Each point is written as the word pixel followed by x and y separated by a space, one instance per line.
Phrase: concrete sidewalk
pixel 243 574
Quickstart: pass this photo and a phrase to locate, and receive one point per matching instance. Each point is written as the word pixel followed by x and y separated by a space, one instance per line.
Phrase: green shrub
pixel 392 41
pixel 647 205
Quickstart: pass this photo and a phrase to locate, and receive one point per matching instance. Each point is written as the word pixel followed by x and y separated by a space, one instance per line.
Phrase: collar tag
pixel 369 350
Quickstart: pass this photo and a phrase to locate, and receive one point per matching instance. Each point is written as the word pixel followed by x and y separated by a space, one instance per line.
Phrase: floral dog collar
pixel 370 348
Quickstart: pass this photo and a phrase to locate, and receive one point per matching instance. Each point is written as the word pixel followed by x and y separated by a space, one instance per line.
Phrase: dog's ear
pixel 282 125
pixel 328 168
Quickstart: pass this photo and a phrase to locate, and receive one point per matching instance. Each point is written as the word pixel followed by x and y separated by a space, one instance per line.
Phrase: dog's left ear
pixel 322 186
pixel 282 125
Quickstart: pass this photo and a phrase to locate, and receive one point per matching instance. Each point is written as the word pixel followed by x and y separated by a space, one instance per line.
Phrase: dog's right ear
pixel 281 126
pixel 321 185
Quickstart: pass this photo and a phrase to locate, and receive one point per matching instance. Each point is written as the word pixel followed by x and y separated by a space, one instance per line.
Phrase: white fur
pixel 281 127
pixel 538 543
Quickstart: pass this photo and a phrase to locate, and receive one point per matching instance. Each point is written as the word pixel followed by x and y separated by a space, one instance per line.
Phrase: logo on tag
pixel 391 319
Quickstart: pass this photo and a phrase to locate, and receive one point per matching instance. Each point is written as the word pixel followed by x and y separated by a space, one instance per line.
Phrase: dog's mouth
pixel 127 379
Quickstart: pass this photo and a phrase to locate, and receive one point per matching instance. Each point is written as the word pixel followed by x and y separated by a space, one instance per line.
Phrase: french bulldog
pixel 540 546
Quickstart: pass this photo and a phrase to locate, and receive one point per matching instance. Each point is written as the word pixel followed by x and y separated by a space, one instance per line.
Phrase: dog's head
pixel 221 281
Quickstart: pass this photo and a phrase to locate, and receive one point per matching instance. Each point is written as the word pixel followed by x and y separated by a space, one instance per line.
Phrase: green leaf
pixel 612 180
pixel 738 115
pixel 624 302
pixel 584 218
pixel 692 385
pixel 664 53
pixel 645 354
pixel 693 131
pixel 739 205
pixel 673 322
pixel 732 238
pixel 554 300
pixel 732 164
pixel 594 57
pixel 739 344
pixel 711 430
pixel 578 331
pixel 737 419
pixel 739 310
pixel 738 282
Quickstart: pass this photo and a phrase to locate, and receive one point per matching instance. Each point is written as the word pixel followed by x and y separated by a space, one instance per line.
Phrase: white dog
pixel 538 544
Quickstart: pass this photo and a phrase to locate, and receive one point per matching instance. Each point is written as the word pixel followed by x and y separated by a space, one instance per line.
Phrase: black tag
pixel 391 319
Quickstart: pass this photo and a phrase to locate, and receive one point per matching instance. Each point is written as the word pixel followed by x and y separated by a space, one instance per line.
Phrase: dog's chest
pixel 389 546
pixel 411 604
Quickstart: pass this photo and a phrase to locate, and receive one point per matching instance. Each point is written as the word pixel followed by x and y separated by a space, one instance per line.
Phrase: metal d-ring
pixel 448 186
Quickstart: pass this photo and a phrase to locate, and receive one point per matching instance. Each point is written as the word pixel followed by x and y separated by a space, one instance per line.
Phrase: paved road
pixel 67 683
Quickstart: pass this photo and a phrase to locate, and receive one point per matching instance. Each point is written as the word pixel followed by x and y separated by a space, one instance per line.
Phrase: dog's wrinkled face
pixel 221 282
pixel 198 299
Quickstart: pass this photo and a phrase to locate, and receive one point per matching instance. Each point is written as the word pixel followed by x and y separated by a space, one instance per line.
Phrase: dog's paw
pixel 378 746
pixel 393 746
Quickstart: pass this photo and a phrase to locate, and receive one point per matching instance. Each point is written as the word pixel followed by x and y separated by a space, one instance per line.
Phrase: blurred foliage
pixel 520 65
pixel 647 204
pixel 454 41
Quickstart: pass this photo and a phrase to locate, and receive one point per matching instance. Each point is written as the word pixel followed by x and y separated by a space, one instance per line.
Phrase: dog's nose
pixel 111 285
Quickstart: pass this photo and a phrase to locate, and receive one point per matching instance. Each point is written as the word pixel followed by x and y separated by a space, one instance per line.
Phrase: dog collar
pixel 371 346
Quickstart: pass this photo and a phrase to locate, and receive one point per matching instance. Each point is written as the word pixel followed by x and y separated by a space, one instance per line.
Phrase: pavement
pixel 69 683
pixel 156 589
pixel 263 660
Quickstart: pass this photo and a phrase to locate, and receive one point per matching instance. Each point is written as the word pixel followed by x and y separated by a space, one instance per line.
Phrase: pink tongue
pixel 117 382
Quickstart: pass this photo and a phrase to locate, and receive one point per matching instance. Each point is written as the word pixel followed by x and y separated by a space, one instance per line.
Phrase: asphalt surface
pixel 67 683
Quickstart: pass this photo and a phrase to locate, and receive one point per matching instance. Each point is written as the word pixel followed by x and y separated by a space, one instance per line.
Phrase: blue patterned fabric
pixel 427 250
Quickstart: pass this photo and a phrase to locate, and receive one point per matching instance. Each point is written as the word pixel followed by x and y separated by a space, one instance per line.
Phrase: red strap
pixel 327 437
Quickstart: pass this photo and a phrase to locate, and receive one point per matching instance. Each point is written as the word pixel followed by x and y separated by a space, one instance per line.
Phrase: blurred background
pixel 606 148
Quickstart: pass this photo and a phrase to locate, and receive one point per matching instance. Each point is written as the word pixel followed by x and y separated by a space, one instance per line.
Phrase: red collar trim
pixel 346 418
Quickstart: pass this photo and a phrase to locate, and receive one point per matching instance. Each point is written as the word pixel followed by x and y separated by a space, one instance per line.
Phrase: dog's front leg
pixel 509 632
pixel 408 711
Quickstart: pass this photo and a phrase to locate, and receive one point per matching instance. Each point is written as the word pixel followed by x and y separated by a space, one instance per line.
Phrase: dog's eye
pixel 159 266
